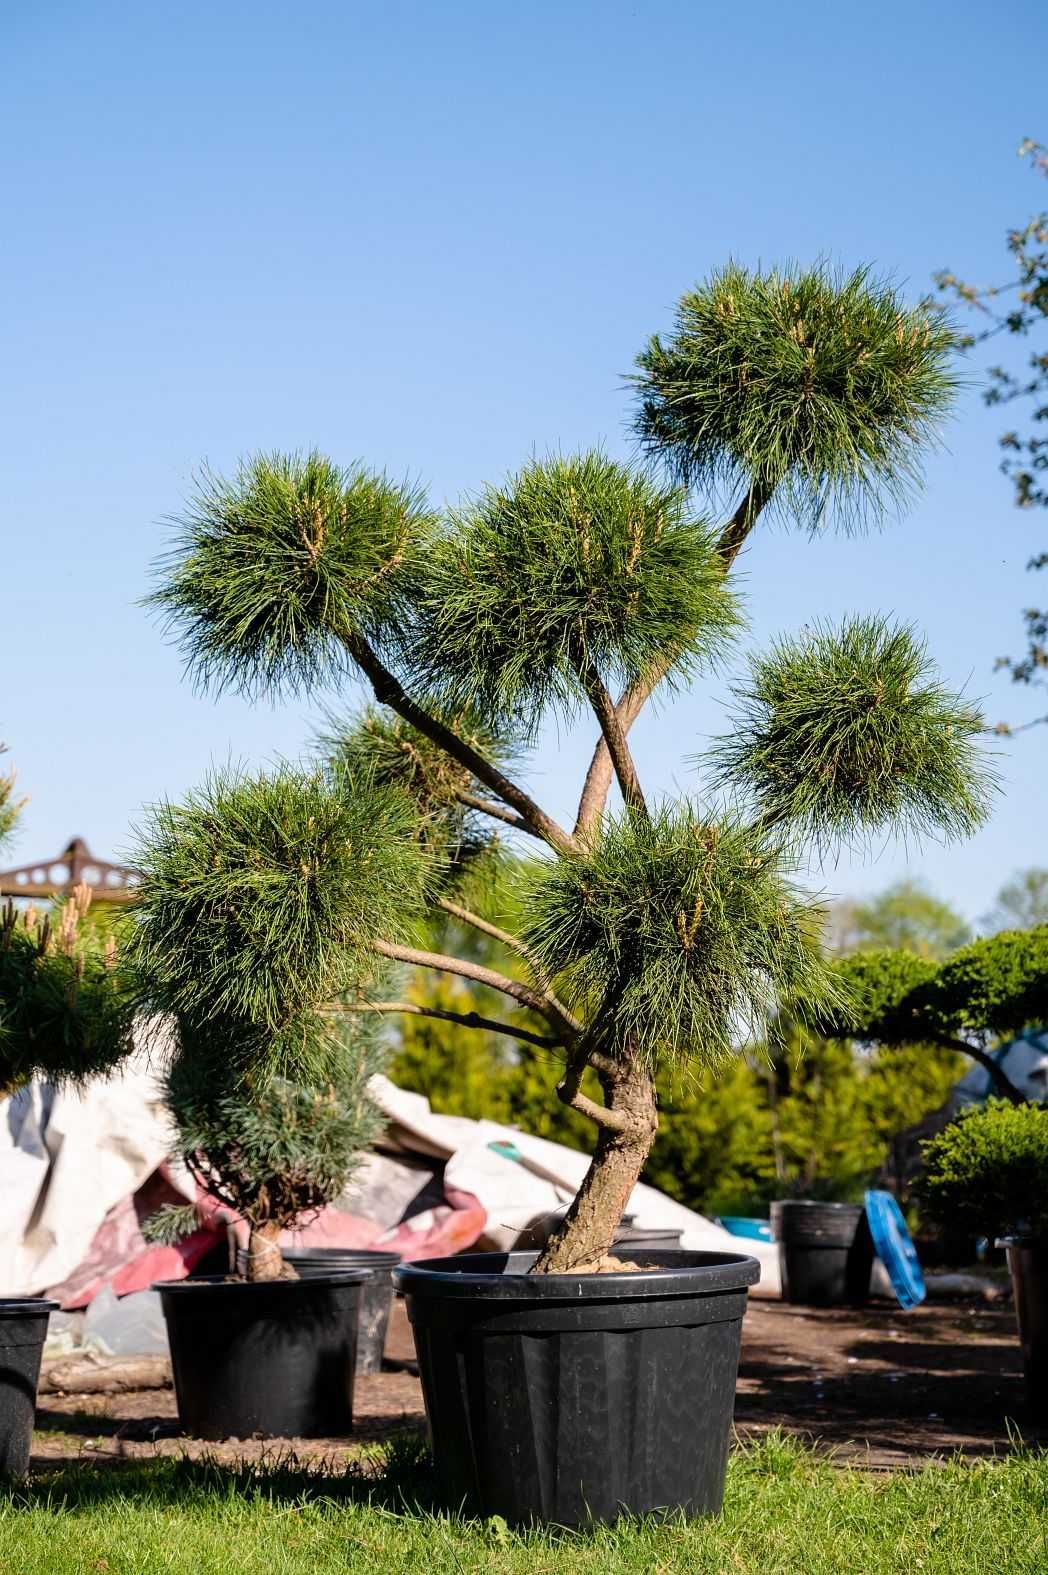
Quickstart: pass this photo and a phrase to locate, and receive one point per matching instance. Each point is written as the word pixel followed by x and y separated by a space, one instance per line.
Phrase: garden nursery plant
pixel 661 929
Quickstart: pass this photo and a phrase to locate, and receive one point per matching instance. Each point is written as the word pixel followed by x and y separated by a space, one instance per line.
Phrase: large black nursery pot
pixel 570 1399
pixel 23 1330
pixel 271 1358
pixel 376 1293
pixel 1028 1266
pixel 825 1252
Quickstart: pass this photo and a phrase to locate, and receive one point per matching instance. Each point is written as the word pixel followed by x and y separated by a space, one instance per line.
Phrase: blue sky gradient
pixel 433 236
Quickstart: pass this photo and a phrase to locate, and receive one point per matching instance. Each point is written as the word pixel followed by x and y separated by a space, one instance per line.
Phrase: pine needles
pixel 847 732
pixel 823 389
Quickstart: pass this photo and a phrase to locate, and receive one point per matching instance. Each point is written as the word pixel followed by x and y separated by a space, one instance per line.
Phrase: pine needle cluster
pixel 67 1002
pixel 822 388
pixel 844 732
pixel 572 561
pixel 274 568
pixel 260 896
pixel 678 934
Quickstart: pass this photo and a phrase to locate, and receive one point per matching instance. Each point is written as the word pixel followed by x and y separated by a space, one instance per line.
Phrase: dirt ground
pixel 882 1386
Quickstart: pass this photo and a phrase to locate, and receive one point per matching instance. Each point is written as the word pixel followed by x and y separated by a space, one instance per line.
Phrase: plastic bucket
pixel 570 1399
pixel 825 1252
pixel 747 1225
pixel 376 1292
pixel 1028 1266
pixel 270 1358
pixel 23 1330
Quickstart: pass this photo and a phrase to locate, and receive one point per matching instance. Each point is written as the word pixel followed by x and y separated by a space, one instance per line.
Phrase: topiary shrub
pixel 987 1173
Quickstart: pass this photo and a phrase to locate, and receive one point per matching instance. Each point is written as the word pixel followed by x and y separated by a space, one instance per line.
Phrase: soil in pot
pixel 571 1399
pixel 273 1358
pixel 376 1293
pixel 825 1252
pixel 23 1330
pixel 1028 1266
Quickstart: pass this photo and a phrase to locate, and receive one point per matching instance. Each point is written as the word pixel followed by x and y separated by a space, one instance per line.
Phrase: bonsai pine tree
pixel 992 989
pixel 579 586
pixel 277 1153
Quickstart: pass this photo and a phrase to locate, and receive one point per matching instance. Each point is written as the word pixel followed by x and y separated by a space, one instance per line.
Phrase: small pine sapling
pixel 657 932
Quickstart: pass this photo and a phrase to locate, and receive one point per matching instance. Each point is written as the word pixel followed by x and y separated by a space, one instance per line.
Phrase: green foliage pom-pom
pixel 260 895
pixel 988 1172
pixel 681 935
pixel 572 559
pixel 824 389
pixel 844 732
pixel 277 567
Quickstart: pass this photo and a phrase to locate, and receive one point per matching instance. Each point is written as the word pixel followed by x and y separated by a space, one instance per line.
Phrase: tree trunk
pixel 264 1258
pixel 586 1233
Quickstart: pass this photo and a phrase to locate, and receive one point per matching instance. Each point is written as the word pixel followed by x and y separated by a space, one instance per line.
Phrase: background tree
pixel 665 930
pixel 907 915
pixel 1022 904
pixel 1020 306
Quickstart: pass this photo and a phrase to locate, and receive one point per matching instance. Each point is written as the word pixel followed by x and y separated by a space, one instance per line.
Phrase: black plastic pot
pixel 1028 1266
pixel 23 1330
pixel 825 1252
pixel 376 1293
pixel 570 1399
pixel 271 1359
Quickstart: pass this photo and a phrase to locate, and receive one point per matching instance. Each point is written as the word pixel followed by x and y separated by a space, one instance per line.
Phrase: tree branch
pixel 569 1092
pixel 614 736
pixel 632 700
pixel 390 691
pixel 521 993
pixel 467 1019
pixel 467 916
pixel 486 807
pixel 1000 1079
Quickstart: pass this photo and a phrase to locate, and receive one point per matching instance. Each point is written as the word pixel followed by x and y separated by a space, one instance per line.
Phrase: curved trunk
pixel 265 1261
pixel 586 1233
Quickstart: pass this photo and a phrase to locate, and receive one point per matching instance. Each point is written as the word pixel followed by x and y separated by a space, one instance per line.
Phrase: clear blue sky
pixel 433 236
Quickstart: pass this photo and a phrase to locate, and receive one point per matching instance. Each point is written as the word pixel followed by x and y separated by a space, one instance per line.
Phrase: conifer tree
pixel 579 586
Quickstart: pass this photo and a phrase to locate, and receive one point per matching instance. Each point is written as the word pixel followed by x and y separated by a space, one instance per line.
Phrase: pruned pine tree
pixel 274 1151
pixel 992 989
pixel 658 930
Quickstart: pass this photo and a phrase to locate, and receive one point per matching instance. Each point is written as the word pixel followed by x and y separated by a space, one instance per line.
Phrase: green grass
pixel 785 1511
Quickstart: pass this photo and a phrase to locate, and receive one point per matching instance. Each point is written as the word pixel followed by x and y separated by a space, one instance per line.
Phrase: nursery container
pixel 23 1330
pixel 1028 1266
pixel 376 1293
pixel 570 1399
pixel 266 1358
pixel 825 1252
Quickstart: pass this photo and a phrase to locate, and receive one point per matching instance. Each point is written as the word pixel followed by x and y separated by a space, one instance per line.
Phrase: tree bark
pixel 586 1233
pixel 265 1261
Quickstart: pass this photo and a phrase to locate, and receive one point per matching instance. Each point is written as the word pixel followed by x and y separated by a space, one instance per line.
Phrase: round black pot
pixel 23 1330
pixel 570 1399
pixel 271 1359
pixel 376 1293
pixel 1028 1266
pixel 825 1252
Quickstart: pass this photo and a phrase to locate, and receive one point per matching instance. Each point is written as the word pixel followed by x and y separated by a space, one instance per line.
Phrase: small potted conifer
pixel 66 1014
pixel 987 1173
pixel 568 1385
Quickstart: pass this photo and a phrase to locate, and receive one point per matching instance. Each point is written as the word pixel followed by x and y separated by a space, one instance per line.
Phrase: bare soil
pixel 881 1386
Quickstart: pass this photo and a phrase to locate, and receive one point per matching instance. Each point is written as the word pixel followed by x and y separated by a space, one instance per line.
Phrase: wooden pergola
pixel 75 866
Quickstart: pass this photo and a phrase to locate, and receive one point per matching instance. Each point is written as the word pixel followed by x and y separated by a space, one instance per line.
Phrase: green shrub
pixel 988 1172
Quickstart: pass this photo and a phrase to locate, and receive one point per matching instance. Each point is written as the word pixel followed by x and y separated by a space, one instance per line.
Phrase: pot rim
pixel 706 1273
pixel 1022 1238
pixel 26 1306
pixel 222 1282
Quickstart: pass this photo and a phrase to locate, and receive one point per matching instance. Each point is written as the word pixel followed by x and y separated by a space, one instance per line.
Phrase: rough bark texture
pixel 265 1261
pixel 586 1233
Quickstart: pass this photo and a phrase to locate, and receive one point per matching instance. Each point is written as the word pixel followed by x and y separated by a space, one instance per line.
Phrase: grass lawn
pixel 785 1511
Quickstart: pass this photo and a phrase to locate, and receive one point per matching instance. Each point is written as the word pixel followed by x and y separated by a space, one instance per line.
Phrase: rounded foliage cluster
pixel 849 731
pixel 821 387
pixel 575 564
pixel 988 1171
pixel 882 995
pixel 260 895
pixel 278 567
pixel 678 934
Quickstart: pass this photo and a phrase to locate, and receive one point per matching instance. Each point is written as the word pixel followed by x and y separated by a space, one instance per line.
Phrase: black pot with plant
pixel 988 1173
pixel 662 929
